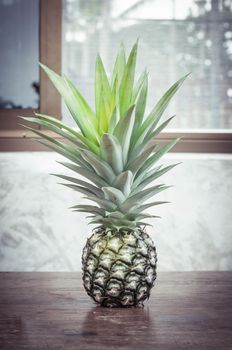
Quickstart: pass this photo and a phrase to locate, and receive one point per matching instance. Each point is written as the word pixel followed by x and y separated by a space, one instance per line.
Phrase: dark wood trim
pixel 212 142
pixel 19 144
pixel 197 135
pixel 50 54
pixel 22 140
pixel 199 142
pixel 50 101
pixel 9 118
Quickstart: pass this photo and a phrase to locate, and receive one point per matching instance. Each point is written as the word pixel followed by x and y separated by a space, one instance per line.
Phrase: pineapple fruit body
pixel 119 269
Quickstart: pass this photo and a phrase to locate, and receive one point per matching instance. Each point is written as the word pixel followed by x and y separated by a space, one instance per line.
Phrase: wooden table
pixel 191 310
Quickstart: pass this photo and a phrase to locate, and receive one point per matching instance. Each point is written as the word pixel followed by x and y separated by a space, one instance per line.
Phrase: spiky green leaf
pixel 100 166
pixel 141 196
pixel 140 208
pixel 153 118
pixel 88 174
pixel 74 104
pixel 113 121
pixel 138 162
pixel 103 203
pixel 119 65
pixel 126 86
pixel 57 130
pixel 84 190
pixel 123 132
pixel 111 152
pixel 155 157
pixel 124 182
pixel 88 209
pixel 102 95
pixel 144 142
pixel 113 194
pixel 151 176
pixel 72 131
pixel 95 190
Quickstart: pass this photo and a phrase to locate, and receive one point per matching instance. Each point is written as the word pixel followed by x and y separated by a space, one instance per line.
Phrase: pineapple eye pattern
pixel 129 274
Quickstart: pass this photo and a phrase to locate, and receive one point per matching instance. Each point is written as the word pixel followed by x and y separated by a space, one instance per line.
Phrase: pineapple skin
pixel 119 269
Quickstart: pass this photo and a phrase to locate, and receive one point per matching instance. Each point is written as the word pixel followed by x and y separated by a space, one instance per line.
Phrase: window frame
pixel 14 138
pixel 199 142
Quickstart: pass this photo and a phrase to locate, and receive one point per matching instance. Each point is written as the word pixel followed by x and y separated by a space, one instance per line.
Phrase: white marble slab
pixel 39 233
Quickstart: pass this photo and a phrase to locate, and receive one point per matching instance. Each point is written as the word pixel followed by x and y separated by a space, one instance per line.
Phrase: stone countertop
pixel 39 233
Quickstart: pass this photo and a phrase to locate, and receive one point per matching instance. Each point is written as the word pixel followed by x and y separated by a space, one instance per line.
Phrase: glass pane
pixel 176 37
pixel 19 42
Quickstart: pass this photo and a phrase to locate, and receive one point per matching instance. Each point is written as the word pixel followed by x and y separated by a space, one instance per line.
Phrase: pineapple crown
pixel 114 149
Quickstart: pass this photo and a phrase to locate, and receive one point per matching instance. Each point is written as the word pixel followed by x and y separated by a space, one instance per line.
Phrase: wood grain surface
pixel 188 310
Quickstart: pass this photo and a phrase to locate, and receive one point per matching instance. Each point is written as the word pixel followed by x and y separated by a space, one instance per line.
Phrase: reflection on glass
pixel 19 42
pixel 176 37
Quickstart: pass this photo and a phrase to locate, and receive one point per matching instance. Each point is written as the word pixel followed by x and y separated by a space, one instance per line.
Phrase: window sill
pixel 23 140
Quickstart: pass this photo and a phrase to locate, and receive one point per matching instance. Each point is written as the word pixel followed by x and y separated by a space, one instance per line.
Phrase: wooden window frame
pixel 14 138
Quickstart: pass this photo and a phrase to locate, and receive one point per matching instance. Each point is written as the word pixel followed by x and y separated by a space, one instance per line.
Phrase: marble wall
pixel 39 233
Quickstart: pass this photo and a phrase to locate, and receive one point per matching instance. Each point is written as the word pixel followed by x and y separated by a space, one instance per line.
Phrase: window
pixel 34 36
pixel 19 82
pixel 175 37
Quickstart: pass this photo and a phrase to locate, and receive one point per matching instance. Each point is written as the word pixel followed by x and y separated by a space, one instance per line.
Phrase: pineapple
pixel 113 155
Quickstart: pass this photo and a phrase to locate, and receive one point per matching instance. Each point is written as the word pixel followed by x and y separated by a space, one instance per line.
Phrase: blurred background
pixel 37 231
